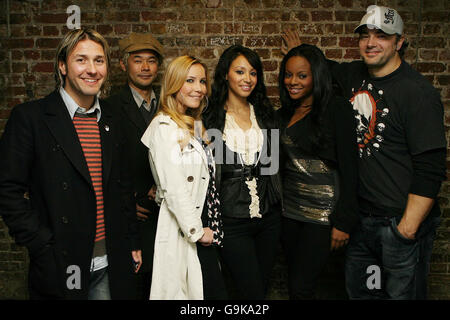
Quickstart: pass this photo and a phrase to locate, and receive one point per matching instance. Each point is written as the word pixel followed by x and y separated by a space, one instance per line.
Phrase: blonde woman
pixel 189 226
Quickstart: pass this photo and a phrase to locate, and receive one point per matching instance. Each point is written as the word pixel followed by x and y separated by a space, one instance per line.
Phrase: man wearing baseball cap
pixel 402 162
pixel 141 56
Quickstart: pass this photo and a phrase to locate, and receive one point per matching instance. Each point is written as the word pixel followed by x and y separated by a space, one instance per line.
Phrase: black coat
pixel 134 126
pixel 48 202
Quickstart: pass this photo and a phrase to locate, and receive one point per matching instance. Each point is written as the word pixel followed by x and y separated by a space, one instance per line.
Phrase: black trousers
pixel 213 282
pixel 249 252
pixel 307 248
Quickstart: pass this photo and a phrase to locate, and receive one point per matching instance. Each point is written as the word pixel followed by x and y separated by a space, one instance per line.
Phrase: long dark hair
pixel 322 90
pixel 214 116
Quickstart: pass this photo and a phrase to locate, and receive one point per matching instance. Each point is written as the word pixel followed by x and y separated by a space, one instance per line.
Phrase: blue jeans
pixel 99 285
pixel 377 249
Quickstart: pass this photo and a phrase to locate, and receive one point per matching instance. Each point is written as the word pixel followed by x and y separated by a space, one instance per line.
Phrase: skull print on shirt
pixel 370 111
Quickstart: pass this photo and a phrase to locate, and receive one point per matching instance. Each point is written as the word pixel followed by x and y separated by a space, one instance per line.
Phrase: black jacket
pixel 48 202
pixel 134 126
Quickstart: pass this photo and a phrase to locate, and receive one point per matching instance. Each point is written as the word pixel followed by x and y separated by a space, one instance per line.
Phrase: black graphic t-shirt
pixel 397 117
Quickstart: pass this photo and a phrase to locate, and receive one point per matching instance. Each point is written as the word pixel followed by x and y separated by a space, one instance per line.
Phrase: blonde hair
pixel 69 42
pixel 174 78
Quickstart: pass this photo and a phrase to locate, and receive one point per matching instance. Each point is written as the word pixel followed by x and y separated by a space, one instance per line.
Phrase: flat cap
pixel 140 41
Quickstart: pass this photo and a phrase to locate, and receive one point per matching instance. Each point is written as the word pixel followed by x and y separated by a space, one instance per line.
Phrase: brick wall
pixel 30 31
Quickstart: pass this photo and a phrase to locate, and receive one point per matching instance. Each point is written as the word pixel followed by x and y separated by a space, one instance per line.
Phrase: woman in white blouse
pixel 189 227
pixel 250 195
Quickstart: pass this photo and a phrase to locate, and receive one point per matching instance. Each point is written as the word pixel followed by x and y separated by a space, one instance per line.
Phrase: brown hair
pixel 69 42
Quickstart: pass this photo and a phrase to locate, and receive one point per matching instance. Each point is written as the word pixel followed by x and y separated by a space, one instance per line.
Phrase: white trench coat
pixel 182 178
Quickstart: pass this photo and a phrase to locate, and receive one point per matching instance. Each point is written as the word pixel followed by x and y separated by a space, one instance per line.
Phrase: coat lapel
pixel 61 126
pixel 131 110
pixel 106 136
pixel 199 148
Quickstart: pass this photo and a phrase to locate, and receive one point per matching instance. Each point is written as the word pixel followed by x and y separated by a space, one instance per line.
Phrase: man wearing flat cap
pixel 402 162
pixel 136 104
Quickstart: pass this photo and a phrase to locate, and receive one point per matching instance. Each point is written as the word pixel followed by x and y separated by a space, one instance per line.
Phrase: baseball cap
pixel 386 19
pixel 140 41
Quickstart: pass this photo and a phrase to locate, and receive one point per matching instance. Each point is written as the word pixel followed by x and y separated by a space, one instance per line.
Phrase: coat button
pixel 192 231
pixel 65 185
pixel 65 220
pixel 190 178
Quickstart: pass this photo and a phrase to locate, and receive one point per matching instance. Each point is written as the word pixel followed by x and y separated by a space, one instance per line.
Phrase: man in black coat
pixel 136 104
pixel 65 187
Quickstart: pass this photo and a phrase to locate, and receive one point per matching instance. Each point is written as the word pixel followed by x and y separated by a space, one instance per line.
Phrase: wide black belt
pixel 244 172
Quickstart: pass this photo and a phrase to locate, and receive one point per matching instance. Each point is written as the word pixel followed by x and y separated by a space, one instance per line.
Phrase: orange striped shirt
pixel 89 136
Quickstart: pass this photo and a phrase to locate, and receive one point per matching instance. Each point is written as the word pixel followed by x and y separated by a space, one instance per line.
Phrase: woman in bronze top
pixel 319 167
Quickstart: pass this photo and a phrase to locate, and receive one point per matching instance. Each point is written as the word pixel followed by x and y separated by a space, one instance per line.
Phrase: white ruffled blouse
pixel 246 144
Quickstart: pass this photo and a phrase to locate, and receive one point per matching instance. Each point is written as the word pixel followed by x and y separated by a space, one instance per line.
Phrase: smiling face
pixel 85 71
pixel 141 68
pixel 298 79
pixel 379 51
pixel 242 78
pixel 193 90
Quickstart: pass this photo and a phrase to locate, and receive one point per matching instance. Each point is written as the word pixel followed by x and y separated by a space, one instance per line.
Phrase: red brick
pixel 51 31
pixel 302 16
pixel 158 16
pixel 47 42
pixel 43 67
pixel 17 55
pixel 33 30
pixel 444 80
pixel 32 54
pixel 333 53
pixel 19 18
pixel 352 54
pixel 266 15
pixel 19 67
pixel 328 41
pixel 429 67
pixel 272 91
pixel 232 28
pixel 213 28
pixel 20 43
pixel 321 15
pixel 121 16
pixel 53 18
pixel 347 42
pixel 326 3
pixel 121 29
pixel 263 53
pixel 428 54
pixel 309 3
pixel 105 29
pixel 270 65
pixel 346 3
pixel 158 28
pixel 195 28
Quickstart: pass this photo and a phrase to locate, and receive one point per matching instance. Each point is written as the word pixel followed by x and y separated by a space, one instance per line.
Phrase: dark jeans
pixel 99 285
pixel 382 264
pixel 249 251
pixel 213 282
pixel 307 248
